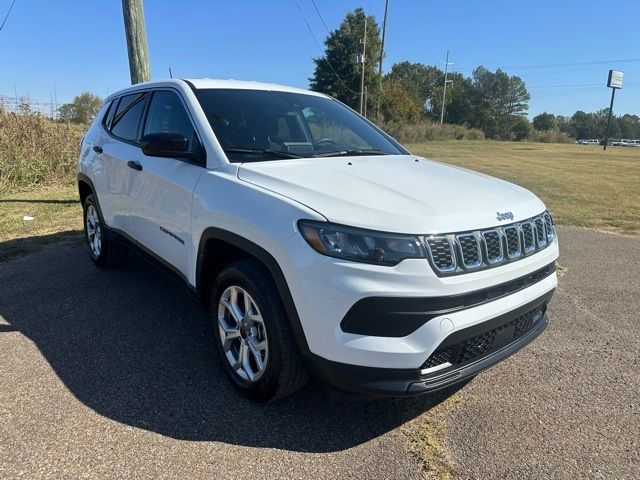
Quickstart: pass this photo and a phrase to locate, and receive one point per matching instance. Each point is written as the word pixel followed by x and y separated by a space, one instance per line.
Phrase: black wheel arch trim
pixel 213 233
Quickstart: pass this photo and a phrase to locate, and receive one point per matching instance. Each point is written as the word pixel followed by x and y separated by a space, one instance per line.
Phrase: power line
pixel 7 15
pixel 322 49
pixel 322 19
pixel 556 65
pixel 547 40
pixel 576 85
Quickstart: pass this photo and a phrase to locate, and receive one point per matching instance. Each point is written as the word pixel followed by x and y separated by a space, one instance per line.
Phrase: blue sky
pixel 80 45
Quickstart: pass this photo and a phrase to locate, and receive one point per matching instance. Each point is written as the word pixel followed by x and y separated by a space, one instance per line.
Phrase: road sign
pixel 615 79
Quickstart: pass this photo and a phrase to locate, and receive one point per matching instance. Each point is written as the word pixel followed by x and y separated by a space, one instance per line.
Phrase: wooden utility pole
pixel 384 32
pixel 364 60
pixel 136 41
pixel 444 89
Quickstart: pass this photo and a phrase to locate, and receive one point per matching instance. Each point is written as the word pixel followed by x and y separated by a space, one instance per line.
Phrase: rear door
pixel 119 145
pixel 161 192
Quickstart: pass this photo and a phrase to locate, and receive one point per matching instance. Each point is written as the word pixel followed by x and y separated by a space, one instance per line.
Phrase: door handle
pixel 97 148
pixel 134 164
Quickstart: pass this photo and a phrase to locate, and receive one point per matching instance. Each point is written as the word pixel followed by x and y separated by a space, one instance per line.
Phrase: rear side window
pixel 168 114
pixel 126 121
pixel 108 118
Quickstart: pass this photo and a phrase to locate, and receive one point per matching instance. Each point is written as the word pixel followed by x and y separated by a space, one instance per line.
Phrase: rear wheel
pixel 103 251
pixel 252 334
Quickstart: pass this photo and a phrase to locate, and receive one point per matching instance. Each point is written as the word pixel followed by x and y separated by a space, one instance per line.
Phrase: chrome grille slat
pixel 548 221
pixel 471 254
pixel 442 253
pixel 528 237
pixel 493 250
pixel 451 254
pixel 541 234
pixel 514 245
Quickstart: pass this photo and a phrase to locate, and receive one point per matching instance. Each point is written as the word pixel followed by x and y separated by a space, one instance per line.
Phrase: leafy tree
pixel 397 105
pixel 544 121
pixel 418 80
pixel 497 100
pixel 629 126
pixel 520 129
pixel 83 109
pixel 581 125
pixel 338 72
pixel 458 99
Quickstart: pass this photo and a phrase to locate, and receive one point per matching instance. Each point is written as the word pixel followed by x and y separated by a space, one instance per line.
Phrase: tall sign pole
pixel 613 82
pixel 136 41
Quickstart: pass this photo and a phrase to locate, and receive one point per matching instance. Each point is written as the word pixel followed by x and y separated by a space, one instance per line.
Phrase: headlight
pixel 360 245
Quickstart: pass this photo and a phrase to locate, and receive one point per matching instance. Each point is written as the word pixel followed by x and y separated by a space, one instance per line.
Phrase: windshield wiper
pixel 262 150
pixel 353 152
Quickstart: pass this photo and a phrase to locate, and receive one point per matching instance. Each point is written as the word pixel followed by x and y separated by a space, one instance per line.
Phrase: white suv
pixel 317 242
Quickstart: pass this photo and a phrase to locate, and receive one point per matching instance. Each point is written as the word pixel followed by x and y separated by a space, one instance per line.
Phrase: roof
pixel 246 85
pixel 204 83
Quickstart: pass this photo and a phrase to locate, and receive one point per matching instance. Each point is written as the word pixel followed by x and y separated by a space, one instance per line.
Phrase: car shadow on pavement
pixel 132 345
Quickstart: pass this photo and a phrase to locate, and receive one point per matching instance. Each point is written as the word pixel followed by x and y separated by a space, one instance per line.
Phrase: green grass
pixel 581 185
pixel 56 213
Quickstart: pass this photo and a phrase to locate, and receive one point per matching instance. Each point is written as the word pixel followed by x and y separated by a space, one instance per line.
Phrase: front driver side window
pixel 168 114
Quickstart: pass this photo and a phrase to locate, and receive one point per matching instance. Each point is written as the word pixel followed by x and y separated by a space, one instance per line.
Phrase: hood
pixel 394 193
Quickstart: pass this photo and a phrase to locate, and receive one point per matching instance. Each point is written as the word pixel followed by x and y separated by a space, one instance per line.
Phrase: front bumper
pixel 324 291
pixel 468 352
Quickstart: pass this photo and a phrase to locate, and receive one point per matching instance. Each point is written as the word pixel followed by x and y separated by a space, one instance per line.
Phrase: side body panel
pixel 223 201
pixel 160 199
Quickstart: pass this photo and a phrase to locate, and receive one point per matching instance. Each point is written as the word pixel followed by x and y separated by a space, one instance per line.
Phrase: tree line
pixel 493 101
pixel 589 125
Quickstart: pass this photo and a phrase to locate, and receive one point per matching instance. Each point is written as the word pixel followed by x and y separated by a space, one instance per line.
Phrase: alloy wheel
pixel 243 334
pixel 94 231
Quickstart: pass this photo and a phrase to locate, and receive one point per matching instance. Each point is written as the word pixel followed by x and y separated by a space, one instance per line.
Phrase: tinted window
pixel 110 113
pixel 289 123
pixel 167 114
pixel 126 121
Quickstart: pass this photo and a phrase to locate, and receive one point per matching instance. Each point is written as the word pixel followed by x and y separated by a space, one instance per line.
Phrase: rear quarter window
pixel 108 118
pixel 126 121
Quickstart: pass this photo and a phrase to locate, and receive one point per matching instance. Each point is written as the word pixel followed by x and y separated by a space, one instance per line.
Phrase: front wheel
pixel 252 334
pixel 103 251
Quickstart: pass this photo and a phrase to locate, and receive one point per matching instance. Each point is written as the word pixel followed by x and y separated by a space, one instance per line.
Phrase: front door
pixel 161 191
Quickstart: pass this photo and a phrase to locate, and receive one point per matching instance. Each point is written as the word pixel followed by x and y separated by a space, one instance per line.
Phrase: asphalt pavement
pixel 113 374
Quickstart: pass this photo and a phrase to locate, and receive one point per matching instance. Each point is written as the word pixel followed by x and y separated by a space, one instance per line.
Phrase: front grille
pixel 493 246
pixel 528 238
pixel 470 250
pixel 482 344
pixel 442 355
pixel 548 221
pixel 442 255
pixel 541 235
pixel 513 241
pixel 452 254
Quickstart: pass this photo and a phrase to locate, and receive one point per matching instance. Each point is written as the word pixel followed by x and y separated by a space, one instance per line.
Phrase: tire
pixel 103 251
pixel 283 370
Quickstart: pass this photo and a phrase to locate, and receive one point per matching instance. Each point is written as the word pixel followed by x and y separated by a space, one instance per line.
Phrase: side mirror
pixel 166 144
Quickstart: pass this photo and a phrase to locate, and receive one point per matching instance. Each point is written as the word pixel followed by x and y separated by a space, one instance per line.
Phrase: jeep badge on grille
pixel 504 216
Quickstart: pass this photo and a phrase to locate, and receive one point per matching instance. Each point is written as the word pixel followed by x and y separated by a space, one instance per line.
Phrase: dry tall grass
pixel 426 131
pixel 35 150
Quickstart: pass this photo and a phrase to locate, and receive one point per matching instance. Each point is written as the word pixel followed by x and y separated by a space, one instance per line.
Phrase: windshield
pixel 260 125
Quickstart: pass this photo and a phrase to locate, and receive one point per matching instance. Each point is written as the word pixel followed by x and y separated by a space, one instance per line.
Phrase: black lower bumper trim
pixel 401 316
pixel 373 381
